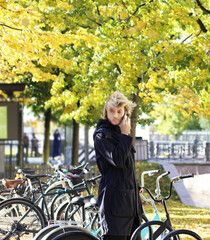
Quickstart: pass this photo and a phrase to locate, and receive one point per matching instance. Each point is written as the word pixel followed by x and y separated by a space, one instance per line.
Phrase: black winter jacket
pixel 118 195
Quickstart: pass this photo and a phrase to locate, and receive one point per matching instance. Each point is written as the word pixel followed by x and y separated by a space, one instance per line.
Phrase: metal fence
pixel 179 150
pixel 141 150
pixel 144 151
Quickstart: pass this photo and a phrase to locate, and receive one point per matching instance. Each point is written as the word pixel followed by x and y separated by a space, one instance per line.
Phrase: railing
pixel 179 150
pixel 165 150
pixel 144 151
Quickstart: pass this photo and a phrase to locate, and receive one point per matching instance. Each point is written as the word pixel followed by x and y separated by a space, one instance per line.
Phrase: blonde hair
pixel 118 99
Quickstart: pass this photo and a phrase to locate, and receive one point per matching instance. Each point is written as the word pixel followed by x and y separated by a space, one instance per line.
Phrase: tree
pixel 172 122
pixel 204 123
pixel 146 48
pixel 87 49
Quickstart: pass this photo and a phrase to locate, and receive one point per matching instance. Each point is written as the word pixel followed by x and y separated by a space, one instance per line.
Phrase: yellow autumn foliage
pixel 86 49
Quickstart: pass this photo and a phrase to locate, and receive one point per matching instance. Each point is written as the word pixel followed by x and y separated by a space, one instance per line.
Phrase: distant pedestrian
pixel 195 147
pixel 25 146
pixel 56 143
pixel 34 146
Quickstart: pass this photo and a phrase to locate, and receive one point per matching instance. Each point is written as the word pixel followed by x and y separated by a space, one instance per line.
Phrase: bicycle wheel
pixel 18 216
pixel 45 231
pixel 60 230
pixel 153 230
pixel 75 214
pixel 75 235
pixel 183 234
pixel 60 211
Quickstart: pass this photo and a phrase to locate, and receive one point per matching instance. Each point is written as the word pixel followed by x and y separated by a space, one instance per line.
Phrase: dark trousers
pixel 117 237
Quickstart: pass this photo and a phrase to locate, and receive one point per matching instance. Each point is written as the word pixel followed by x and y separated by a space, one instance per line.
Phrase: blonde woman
pixel 118 194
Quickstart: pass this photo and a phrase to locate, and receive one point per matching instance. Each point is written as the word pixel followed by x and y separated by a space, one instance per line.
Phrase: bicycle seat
pixel 92 203
pixel 11 183
pixel 81 200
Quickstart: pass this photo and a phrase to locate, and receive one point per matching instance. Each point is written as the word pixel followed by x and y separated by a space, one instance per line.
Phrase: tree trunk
pixel 134 116
pixel 75 147
pixel 46 150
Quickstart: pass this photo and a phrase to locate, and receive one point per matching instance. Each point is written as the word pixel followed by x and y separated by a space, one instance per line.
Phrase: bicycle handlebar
pixel 93 179
pixel 157 190
pixel 81 166
pixel 176 179
pixel 69 174
pixel 173 180
pixel 150 173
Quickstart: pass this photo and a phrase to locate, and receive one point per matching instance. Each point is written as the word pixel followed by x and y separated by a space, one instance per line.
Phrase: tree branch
pixel 124 4
pixel 187 38
pixel 202 7
pixel 202 27
pixel 137 8
pixel 93 21
pixel 5 25
pixel 143 4
pixel 118 68
pixel 98 11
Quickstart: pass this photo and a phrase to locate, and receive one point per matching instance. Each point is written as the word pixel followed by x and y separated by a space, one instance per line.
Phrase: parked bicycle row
pixel 63 206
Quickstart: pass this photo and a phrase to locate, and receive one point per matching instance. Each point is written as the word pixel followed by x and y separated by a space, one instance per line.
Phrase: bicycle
pixel 83 206
pixel 157 229
pixel 20 186
pixel 177 234
pixel 90 222
pixel 19 216
pixel 65 179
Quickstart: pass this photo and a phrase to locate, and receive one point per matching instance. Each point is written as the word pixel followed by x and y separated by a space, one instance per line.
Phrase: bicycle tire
pixel 60 211
pixel 74 213
pixel 149 225
pixel 56 202
pixel 185 232
pixel 75 235
pixel 12 210
pixel 61 230
pixel 45 231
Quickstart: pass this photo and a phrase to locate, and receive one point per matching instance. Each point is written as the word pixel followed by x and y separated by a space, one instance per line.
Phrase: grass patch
pixel 182 216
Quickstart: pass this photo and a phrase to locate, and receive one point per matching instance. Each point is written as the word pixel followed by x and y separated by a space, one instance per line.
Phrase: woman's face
pixel 115 114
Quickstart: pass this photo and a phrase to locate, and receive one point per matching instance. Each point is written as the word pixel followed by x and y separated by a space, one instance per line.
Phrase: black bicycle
pixel 159 230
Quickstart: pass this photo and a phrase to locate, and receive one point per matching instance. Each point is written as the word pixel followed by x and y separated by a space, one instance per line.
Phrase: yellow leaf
pixel 123 15
pixel 25 22
pixel 132 30
pixel 141 24
pixel 152 33
pixel 3 3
